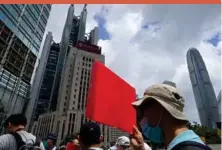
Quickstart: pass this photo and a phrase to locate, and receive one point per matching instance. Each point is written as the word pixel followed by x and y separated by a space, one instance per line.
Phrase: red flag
pixel 109 99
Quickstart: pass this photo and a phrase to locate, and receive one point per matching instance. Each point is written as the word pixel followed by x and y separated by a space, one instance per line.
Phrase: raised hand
pixel 136 139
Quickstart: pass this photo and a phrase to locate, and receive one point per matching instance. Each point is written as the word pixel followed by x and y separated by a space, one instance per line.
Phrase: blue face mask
pixel 154 134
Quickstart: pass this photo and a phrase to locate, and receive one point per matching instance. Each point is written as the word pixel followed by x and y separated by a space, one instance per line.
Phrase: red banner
pixel 110 98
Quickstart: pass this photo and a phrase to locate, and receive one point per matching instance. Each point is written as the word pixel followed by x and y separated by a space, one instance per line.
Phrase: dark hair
pixel 74 136
pixel 52 137
pixel 16 119
pixel 90 134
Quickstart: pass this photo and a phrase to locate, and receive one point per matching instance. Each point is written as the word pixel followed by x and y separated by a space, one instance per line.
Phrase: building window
pixel 74 96
pixel 66 97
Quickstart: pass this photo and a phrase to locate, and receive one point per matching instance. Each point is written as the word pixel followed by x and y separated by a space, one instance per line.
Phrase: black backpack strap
pixel 191 145
pixel 18 139
pixel 37 142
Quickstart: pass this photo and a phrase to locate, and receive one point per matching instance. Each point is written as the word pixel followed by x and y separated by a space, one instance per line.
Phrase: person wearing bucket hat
pixel 163 120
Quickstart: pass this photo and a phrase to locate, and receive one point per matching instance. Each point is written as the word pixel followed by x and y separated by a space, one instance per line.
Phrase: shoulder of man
pixel 6 137
pixel 191 145
pixel 30 139
pixel 7 142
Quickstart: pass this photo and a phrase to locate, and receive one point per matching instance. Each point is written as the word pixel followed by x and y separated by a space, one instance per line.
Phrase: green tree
pixel 212 136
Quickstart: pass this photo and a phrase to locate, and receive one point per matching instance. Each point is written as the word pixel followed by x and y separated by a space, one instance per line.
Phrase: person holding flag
pixel 164 121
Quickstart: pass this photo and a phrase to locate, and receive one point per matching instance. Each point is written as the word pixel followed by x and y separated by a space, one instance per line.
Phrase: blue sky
pixel 215 39
pixel 103 33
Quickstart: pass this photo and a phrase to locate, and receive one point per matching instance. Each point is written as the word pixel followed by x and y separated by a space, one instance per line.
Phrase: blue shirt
pixel 188 135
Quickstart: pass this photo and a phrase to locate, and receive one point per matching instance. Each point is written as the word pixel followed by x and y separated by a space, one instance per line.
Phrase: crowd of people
pixel 162 122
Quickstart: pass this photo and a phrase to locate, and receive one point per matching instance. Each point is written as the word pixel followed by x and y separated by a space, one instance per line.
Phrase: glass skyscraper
pixel 21 31
pixel 204 94
pixel 46 87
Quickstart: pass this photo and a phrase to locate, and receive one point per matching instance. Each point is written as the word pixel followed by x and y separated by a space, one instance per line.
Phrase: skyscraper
pixel 43 82
pixel 42 69
pixel 219 109
pixel 94 35
pixel 64 44
pixel 74 31
pixel 80 52
pixel 82 24
pixel 204 94
pixel 73 94
pixel 21 31
pixel 48 91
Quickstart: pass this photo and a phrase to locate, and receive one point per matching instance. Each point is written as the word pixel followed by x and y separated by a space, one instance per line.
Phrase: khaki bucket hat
pixel 167 96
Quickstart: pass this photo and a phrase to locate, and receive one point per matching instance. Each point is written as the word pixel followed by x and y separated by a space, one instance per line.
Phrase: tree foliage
pixel 212 136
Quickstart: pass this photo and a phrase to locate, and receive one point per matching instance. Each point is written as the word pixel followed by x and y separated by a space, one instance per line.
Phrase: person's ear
pixel 101 138
pixel 9 125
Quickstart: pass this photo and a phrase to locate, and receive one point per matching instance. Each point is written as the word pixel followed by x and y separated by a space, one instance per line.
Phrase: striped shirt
pixel 8 142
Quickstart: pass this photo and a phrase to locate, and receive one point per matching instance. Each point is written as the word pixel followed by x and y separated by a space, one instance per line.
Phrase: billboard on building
pixel 88 47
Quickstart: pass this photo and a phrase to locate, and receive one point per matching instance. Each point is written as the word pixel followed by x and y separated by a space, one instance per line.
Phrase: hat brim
pixel 172 110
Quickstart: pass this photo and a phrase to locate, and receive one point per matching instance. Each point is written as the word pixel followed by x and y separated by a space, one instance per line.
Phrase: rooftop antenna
pixel 84 6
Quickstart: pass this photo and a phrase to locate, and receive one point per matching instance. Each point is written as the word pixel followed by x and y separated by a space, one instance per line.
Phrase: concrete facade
pixel 73 76
pixel 70 114
pixel 44 125
pixel 73 94
pixel 115 133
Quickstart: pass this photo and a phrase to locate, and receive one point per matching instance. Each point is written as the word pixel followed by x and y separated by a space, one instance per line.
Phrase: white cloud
pixel 146 56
